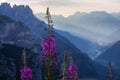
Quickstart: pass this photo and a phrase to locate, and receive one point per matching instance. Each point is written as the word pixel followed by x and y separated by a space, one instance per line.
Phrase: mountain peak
pixel 7 9
pixel 5 5
pixel 23 14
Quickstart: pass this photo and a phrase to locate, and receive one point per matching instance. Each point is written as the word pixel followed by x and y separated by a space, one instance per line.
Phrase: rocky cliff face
pixel 18 34
pixel 25 15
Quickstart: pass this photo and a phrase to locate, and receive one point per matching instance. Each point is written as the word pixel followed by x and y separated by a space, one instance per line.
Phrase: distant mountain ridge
pixel 17 33
pixel 95 26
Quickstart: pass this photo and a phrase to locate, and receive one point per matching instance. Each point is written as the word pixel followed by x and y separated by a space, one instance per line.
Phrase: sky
pixel 69 7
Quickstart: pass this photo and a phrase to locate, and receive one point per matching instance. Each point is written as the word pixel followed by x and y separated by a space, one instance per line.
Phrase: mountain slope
pixel 90 48
pixel 7 68
pixel 111 55
pixel 11 62
pixel 17 33
pixel 117 15
pixel 25 15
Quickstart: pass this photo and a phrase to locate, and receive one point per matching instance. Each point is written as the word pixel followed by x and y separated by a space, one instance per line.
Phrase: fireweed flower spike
pixel 64 67
pixel 49 57
pixel 26 72
pixel 72 70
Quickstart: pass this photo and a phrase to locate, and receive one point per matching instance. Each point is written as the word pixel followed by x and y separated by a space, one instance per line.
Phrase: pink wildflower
pixel 72 72
pixel 49 56
pixel 26 73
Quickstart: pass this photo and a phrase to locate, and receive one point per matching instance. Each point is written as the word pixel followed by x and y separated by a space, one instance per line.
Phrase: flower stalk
pixel 64 66
pixel 72 73
pixel 26 72
pixel 49 57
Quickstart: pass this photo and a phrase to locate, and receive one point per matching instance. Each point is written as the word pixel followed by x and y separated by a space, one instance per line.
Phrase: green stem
pixel 49 72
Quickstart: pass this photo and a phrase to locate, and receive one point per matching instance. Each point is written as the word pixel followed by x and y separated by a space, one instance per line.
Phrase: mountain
pixel 95 26
pixel 25 15
pixel 98 17
pixel 86 46
pixel 7 68
pixel 29 34
pixel 18 34
pixel 117 15
pixel 111 55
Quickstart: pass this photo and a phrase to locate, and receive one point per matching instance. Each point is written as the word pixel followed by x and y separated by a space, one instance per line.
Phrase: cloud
pixel 56 3
pixel 3 1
